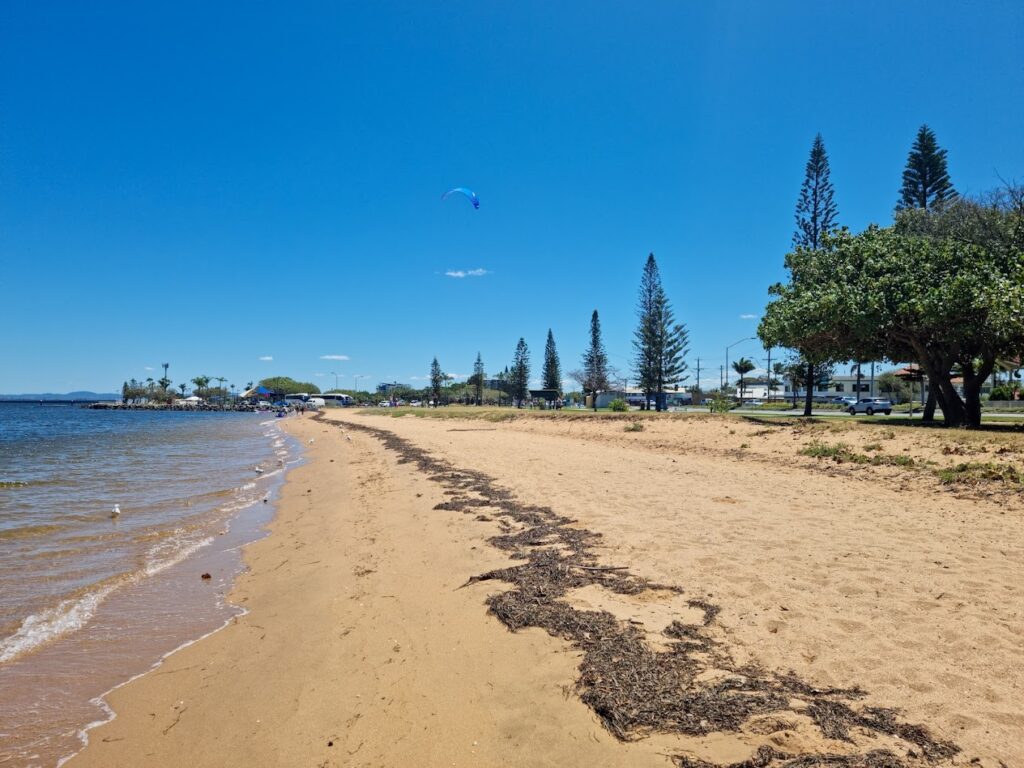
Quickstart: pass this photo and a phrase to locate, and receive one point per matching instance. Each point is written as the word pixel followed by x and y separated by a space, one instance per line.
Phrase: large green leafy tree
pixel 816 214
pixel 284 385
pixel 926 182
pixel 519 373
pixel 659 343
pixel 436 382
pixel 595 361
pixel 945 302
pixel 552 371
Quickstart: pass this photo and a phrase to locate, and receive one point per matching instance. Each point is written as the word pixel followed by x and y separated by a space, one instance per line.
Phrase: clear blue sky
pixel 207 185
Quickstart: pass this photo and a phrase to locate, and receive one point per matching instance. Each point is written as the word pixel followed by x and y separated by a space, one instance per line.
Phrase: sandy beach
pixel 805 593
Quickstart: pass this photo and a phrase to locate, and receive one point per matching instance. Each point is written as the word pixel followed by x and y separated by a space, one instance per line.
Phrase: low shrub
pixel 634 426
pixel 974 472
pixel 618 405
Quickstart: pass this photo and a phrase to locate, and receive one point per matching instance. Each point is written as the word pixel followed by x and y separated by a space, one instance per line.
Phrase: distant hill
pixel 36 397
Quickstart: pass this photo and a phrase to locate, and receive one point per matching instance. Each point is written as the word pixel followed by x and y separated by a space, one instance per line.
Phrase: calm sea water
pixel 88 600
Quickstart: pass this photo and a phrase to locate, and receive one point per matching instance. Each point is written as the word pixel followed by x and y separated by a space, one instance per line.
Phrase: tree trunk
pixel 809 384
pixel 972 390
pixel 929 405
pixel 954 413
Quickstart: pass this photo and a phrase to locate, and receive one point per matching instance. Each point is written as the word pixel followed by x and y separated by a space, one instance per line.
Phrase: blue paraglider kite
pixel 469 193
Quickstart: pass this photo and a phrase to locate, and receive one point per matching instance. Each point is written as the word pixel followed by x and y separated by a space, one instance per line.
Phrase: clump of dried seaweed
pixel 632 687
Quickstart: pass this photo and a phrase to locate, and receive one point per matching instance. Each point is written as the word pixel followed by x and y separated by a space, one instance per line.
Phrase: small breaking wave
pixel 68 616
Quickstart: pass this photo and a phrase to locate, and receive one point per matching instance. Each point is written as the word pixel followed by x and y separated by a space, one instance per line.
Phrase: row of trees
pixel 660 345
pixel 161 391
pixel 943 286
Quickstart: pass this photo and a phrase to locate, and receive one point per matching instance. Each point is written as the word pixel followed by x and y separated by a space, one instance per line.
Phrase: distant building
pixel 386 388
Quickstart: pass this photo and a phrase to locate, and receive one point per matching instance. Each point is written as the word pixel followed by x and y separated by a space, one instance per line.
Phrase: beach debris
pixel 468 193
pixel 116 511
pixel 634 688
pixel 206 576
pixel 258 469
pixel 311 441
pixel 266 497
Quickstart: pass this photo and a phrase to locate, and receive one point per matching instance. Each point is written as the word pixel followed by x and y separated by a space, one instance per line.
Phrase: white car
pixel 383 404
pixel 871 406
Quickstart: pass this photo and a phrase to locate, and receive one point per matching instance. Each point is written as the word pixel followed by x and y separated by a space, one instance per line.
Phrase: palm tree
pixel 201 382
pixel 182 387
pixel 743 366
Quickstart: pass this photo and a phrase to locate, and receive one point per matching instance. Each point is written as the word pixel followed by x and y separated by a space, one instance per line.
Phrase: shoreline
pixel 369 640
pixel 344 606
pixel 67 650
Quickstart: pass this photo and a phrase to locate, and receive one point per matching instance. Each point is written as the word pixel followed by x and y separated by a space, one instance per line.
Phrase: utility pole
pixel 335 380
pixel 721 378
pixel 769 374
pixel 698 377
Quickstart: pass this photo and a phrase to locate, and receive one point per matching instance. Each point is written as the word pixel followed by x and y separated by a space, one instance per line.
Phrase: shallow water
pixel 88 600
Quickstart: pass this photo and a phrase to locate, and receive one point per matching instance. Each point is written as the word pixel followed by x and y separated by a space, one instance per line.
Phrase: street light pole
pixel 748 338
pixel 335 380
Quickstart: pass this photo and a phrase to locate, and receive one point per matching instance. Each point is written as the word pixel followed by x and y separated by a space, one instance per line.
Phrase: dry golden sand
pixel 849 575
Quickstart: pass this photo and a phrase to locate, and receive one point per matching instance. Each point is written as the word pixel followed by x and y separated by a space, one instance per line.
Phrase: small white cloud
pixel 479 272
pixel 334 357
pixel 748 317
pixel 148 368
pixel 319 375
pixel 266 358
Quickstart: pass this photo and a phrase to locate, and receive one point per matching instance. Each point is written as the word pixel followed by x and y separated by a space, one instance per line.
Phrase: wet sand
pixel 361 649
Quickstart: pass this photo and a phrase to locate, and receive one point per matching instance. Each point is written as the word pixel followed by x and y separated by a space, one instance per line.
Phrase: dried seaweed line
pixel 632 688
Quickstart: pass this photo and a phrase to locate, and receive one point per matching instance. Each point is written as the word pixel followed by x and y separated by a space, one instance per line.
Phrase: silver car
pixel 871 406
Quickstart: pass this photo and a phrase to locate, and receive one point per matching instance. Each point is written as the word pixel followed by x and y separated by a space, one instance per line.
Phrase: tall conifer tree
pixel 478 379
pixel 926 181
pixel 816 214
pixel 520 373
pixel 660 342
pixel 552 373
pixel 595 361
pixel 926 184
pixel 436 382
pixel 815 209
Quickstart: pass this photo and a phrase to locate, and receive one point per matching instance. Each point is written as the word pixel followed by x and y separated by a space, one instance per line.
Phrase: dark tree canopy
pixel 519 374
pixel 926 182
pixel 815 208
pixel 552 373
pixel 945 303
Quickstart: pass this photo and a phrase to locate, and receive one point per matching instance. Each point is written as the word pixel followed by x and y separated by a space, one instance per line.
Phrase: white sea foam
pixel 172 551
pixel 68 616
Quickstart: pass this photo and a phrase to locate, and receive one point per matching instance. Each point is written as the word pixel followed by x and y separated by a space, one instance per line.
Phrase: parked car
pixel 383 404
pixel 871 406
pixel 753 402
